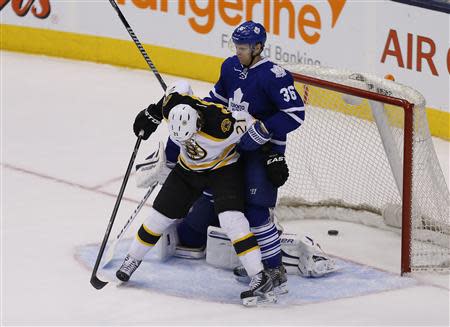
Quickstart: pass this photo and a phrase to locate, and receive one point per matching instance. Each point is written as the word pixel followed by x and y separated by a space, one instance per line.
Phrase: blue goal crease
pixel 195 279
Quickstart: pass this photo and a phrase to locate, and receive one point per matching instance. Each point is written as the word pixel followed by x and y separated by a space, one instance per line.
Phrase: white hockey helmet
pixel 181 86
pixel 183 122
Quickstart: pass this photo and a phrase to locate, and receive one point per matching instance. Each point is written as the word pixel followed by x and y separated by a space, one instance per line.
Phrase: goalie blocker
pixel 301 255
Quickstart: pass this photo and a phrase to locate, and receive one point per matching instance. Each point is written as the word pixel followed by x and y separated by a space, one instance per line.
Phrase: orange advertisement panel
pixel 380 37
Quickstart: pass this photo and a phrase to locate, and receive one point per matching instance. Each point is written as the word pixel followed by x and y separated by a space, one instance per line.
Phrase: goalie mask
pixel 184 122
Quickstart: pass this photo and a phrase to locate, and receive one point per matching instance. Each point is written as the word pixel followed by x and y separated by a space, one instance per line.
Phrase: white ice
pixel 65 143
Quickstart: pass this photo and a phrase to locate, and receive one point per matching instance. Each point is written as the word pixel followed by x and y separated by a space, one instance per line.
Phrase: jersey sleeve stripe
pixel 296 118
pixel 218 96
pixel 293 109
pixel 277 142
pixel 209 137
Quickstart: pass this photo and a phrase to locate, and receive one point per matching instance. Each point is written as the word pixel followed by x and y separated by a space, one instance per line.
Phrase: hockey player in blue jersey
pixel 207 135
pixel 249 82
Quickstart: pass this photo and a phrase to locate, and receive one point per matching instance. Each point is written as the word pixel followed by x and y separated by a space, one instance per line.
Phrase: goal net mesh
pixel 349 153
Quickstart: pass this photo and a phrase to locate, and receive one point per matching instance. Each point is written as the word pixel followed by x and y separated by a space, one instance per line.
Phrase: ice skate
pixel 261 290
pixel 279 279
pixel 128 267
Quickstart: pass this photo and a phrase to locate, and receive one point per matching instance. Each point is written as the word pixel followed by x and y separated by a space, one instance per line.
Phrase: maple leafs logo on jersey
pixel 236 103
pixel 278 71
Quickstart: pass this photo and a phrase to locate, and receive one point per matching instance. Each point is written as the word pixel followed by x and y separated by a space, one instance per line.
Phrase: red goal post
pixel 365 145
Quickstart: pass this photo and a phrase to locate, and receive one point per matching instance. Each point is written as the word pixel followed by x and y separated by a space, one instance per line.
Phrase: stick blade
pixel 97 283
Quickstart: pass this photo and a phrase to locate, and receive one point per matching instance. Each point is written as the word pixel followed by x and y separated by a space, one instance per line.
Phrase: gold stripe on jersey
pixel 218 105
pixel 226 155
pixel 225 162
pixel 188 97
pixel 209 137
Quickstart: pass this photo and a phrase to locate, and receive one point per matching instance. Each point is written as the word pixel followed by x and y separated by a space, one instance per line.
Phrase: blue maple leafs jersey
pixel 266 91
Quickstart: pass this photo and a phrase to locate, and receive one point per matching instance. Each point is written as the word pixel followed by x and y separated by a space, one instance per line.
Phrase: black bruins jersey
pixel 214 146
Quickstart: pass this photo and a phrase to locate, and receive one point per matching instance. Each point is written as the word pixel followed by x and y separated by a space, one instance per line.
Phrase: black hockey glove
pixel 146 121
pixel 277 169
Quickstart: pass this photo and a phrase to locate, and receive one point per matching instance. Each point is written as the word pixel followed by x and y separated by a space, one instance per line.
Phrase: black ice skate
pixel 128 267
pixel 261 290
pixel 279 278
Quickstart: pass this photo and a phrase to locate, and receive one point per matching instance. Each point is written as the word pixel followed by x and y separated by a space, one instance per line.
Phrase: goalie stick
pixel 112 248
pixel 95 281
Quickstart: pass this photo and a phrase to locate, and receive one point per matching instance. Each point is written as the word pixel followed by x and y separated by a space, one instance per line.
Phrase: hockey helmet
pixel 183 122
pixel 249 32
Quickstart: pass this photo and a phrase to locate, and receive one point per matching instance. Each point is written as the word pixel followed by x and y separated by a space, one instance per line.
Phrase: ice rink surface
pixel 66 139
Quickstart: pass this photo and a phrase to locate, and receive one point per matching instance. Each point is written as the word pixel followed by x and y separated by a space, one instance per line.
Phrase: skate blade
pixel 253 301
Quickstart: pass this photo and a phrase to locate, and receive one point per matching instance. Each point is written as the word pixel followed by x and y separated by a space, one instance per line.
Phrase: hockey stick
pixel 112 248
pixel 95 281
pixel 138 44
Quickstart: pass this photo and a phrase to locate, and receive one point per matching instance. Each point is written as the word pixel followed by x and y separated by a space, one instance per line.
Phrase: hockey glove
pixel 146 122
pixel 277 169
pixel 255 136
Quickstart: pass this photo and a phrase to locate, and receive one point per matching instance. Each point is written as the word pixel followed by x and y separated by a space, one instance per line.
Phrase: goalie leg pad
pixel 149 234
pixel 166 246
pixel 219 250
pixel 303 256
pixel 190 253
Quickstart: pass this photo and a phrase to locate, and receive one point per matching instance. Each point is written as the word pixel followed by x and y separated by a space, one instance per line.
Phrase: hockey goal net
pixel 365 146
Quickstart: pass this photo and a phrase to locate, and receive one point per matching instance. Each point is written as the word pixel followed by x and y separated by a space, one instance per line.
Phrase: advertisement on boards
pixel 381 37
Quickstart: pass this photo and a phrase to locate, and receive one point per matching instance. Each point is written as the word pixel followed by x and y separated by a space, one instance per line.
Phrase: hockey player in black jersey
pixel 207 134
